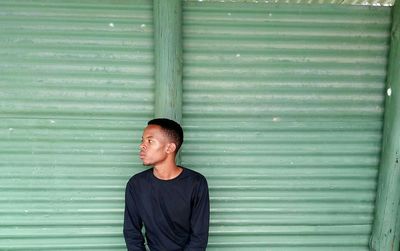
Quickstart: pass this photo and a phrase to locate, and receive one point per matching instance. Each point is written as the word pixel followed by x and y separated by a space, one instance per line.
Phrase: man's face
pixel 153 149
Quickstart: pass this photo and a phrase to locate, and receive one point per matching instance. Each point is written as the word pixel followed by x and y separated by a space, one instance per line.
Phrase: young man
pixel 171 201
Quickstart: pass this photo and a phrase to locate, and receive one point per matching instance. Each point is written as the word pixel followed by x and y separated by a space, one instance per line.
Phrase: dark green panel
pixel 386 228
pixel 282 106
pixel 76 89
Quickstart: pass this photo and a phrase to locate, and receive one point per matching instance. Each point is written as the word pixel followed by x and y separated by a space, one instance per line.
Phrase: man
pixel 170 201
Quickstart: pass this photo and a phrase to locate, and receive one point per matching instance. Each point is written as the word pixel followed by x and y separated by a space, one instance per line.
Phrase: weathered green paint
pixel 283 111
pixel 168 58
pixel 76 87
pixel 386 230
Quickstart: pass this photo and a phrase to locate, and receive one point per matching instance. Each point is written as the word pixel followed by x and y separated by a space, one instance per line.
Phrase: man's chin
pixel 146 164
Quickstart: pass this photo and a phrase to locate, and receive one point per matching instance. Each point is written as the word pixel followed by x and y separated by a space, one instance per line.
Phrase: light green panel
pixel 88 60
pixel 282 109
pixel 76 90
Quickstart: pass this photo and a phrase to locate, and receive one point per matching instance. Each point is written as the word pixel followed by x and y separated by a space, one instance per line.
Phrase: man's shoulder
pixel 143 175
pixel 194 174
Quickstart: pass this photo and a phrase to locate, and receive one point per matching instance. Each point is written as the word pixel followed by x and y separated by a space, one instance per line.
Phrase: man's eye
pixel 150 141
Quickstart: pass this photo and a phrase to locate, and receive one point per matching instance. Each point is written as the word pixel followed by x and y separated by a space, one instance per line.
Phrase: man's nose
pixel 142 146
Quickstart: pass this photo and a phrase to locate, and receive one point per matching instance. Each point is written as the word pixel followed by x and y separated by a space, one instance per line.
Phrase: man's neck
pixel 167 172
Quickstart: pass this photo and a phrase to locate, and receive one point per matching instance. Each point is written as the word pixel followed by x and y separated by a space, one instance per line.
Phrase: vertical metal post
pixel 168 58
pixel 386 228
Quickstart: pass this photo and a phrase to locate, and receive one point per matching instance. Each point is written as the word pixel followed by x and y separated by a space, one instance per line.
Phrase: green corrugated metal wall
pixel 76 81
pixel 282 106
pixel 282 111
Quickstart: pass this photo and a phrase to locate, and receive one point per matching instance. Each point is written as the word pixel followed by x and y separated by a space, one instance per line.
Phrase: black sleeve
pixel 200 218
pixel 132 222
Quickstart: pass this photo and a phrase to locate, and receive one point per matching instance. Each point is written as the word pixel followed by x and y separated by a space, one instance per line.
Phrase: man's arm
pixel 200 219
pixel 132 223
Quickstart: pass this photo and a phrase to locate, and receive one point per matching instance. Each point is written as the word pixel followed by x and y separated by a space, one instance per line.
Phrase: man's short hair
pixel 171 128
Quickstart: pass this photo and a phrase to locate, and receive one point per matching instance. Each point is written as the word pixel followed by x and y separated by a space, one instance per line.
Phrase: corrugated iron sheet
pixel 283 110
pixel 76 89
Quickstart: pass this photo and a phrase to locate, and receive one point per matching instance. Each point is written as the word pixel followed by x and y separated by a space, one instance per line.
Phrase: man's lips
pixel 142 155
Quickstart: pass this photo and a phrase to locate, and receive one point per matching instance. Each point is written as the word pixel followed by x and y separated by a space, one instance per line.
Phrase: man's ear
pixel 171 147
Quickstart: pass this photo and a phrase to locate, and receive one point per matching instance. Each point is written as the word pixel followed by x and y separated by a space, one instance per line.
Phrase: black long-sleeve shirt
pixel 175 213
